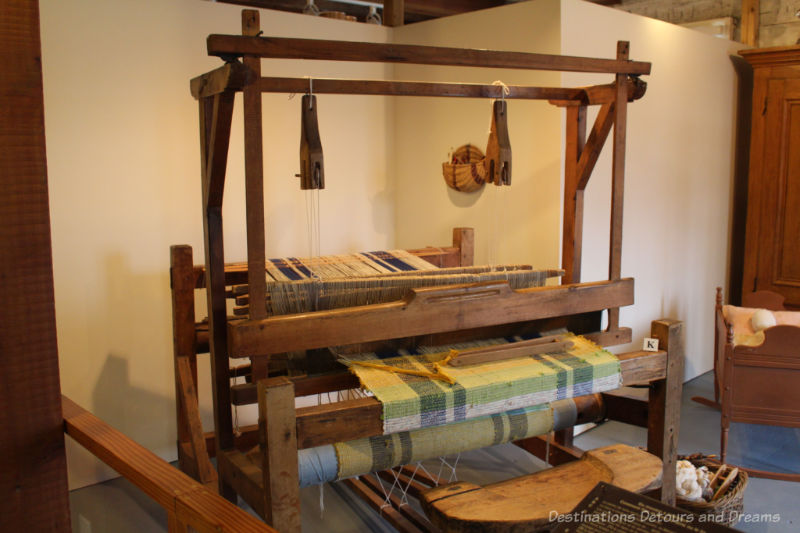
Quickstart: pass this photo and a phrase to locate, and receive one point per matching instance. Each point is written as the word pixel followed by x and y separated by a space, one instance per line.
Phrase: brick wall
pixel 778 24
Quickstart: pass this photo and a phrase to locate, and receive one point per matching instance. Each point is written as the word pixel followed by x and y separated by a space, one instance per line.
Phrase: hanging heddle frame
pixel 312 171
pixel 498 149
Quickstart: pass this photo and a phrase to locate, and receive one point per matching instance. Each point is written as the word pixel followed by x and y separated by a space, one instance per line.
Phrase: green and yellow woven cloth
pixel 387 451
pixel 412 402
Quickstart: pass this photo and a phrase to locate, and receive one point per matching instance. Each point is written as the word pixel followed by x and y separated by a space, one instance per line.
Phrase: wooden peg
pixel 312 173
pixel 498 149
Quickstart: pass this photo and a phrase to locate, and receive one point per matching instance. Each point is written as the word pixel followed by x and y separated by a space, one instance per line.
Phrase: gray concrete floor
pixel 118 507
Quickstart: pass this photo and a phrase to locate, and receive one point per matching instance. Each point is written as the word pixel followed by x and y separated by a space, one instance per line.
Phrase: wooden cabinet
pixel 772 241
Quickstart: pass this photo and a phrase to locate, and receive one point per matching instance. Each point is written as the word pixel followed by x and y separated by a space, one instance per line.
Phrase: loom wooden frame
pixel 190 338
pixel 271 488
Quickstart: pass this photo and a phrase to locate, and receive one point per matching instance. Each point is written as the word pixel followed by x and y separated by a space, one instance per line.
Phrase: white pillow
pixel 762 319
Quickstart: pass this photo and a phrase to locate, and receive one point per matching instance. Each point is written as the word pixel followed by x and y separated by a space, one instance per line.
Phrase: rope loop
pixel 504 91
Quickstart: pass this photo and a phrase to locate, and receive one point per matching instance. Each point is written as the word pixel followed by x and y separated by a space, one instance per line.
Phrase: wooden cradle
pixel 756 384
pixel 270 483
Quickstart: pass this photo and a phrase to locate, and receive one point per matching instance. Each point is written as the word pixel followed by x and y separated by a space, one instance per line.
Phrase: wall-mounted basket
pixel 466 171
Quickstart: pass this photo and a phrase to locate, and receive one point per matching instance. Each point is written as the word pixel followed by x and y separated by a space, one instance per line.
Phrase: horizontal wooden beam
pixel 415 10
pixel 354 419
pixel 424 311
pixel 186 500
pixel 416 88
pixel 228 77
pixel 246 394
pixel 291 48
pixel 610 338
pixel 642 367
pixel 626 409
pixel 244 440
pixel 547 449
pixel 338 422
pixel 233 76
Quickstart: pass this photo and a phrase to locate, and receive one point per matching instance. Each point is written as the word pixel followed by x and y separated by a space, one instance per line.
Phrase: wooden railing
pixel 190 505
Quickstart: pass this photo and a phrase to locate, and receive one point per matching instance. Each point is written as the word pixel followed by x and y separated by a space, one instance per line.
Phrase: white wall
pixel 124 174
pixel 513 224
pixel 124 181
pixel 679 170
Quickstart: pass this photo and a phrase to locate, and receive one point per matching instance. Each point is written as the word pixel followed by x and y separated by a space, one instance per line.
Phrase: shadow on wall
pixel 141 414
pixel 134 388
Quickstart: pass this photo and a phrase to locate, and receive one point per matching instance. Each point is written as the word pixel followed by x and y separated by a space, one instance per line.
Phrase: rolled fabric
pixel 347 459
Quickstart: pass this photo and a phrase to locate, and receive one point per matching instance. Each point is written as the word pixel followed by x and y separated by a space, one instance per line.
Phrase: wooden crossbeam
pixel 291 48
pixel 441 309
pixel 234 76
pixel 230 76
pixel 420 88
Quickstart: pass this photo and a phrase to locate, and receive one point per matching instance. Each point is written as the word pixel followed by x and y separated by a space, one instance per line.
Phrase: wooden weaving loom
pixel 431 315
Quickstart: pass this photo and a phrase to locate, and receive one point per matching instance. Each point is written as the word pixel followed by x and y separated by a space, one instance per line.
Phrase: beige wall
pixel 124 182
pixel 679 175
pixel 514 224
pixel 124 174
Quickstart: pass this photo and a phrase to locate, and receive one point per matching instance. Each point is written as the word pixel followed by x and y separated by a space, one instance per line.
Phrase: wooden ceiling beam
pixel 444 8
pixel 413 10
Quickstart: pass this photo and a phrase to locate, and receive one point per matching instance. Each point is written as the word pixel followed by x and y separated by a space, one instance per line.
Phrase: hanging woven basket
pixel 466 171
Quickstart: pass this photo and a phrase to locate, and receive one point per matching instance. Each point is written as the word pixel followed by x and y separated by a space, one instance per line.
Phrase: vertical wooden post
pixel 183 345
pixel 725 401
pixel 393 12
pixel 572 223
pixel 215 124
pixel 194 427
pixel 572 228
pixel 618 179
pixel 664 405
pixel 278 442
pixel 464 240
pixel 254 174
pixel 750 22
pixel 33 470
pixel 174 525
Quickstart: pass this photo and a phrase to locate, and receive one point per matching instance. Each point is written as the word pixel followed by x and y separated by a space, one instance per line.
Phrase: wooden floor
pixel 117 507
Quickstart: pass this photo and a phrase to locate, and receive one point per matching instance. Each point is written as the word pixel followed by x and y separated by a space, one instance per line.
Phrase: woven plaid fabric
pixel 379 453
pixel 411 402
pixel 342 266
